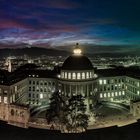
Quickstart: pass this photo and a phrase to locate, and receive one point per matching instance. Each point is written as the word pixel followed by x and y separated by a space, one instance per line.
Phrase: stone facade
pixel 135 108
pixel 15 114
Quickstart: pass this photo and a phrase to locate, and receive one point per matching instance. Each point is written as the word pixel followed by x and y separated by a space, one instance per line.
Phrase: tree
pixel 77 118
pixel 68 112
pixel 53 111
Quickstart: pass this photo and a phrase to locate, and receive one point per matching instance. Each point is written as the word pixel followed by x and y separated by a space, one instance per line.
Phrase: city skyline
pixel 58 24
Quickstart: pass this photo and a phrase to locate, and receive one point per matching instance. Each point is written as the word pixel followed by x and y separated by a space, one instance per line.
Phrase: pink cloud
pixel 8 23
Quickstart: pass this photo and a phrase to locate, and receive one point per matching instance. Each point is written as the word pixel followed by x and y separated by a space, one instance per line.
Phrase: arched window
pixel 74 75
pixel 66 75
pixel 87 75
pixel 12 112
pixel 83 75
pixel 78 76
pixel 69 75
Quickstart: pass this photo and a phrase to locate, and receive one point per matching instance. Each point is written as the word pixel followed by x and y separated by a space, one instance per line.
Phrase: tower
pixel 9 64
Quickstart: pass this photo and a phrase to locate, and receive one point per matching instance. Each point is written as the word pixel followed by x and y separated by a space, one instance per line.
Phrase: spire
pixel 9 65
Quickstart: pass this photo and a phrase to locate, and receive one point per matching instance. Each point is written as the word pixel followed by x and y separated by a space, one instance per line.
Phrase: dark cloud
pixel 63 22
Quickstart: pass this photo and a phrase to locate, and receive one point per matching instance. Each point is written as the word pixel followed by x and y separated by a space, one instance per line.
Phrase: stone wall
pixel 18 115
pixel 15 115
pixel 135 108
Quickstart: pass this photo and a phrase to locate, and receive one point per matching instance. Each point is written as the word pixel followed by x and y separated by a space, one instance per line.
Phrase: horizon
pixel 110 25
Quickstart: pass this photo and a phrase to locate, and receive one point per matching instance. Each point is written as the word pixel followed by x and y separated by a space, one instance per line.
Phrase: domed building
pixel 77 77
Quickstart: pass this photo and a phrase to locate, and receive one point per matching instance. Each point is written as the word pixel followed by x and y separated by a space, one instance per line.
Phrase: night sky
pixel 54 23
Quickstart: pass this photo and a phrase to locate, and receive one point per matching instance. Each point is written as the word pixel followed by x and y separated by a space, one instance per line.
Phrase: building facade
pixel 31 87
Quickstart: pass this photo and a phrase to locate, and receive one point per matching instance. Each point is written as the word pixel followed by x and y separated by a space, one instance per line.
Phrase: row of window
pixel 38 96
pixel 17 113
pixel 111 87
pixel 134 90
pixel 41 83
pixel 3 91
pixel 78 93
pixel 5 100
pixel 36 102
pixel 110 81
pixel 132 82
pixel 113 94
pixel 78 75
pixel 37 89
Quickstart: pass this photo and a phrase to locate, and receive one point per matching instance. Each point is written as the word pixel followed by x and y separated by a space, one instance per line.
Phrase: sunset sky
pixel 57 23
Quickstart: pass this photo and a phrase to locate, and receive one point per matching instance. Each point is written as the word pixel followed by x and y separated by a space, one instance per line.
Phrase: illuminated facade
pixel 29 88
pixel 77 77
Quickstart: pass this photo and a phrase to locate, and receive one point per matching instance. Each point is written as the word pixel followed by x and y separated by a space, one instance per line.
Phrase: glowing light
pixel 41 96
pixel 77 51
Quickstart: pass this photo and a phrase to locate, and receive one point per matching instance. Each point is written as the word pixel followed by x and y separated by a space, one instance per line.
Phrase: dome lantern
pixel 77 50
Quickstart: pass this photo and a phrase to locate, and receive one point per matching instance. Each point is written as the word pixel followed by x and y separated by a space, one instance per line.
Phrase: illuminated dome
pixel 75 62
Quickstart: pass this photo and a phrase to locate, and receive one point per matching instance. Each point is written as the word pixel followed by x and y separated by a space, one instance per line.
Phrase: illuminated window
pixel 138 92
pixel 62 75
pixel 83 75
pixel 112 94
pixel 108 94
pixel 69 75
pixel 123 93
pixel 0 99
pixel 105 95
pixel 101 95
pixel 104 81
pixel 78 76
pixel 87 74
pixel 120 94
pixel 116 94
pixel 90 74
pixel 5 100
pixel 74 76
pixel 100 82
pixel 66 75
pixel 41 96
pixel 138 84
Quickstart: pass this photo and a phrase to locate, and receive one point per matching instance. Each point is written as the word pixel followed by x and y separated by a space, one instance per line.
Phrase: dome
pixel 75 62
